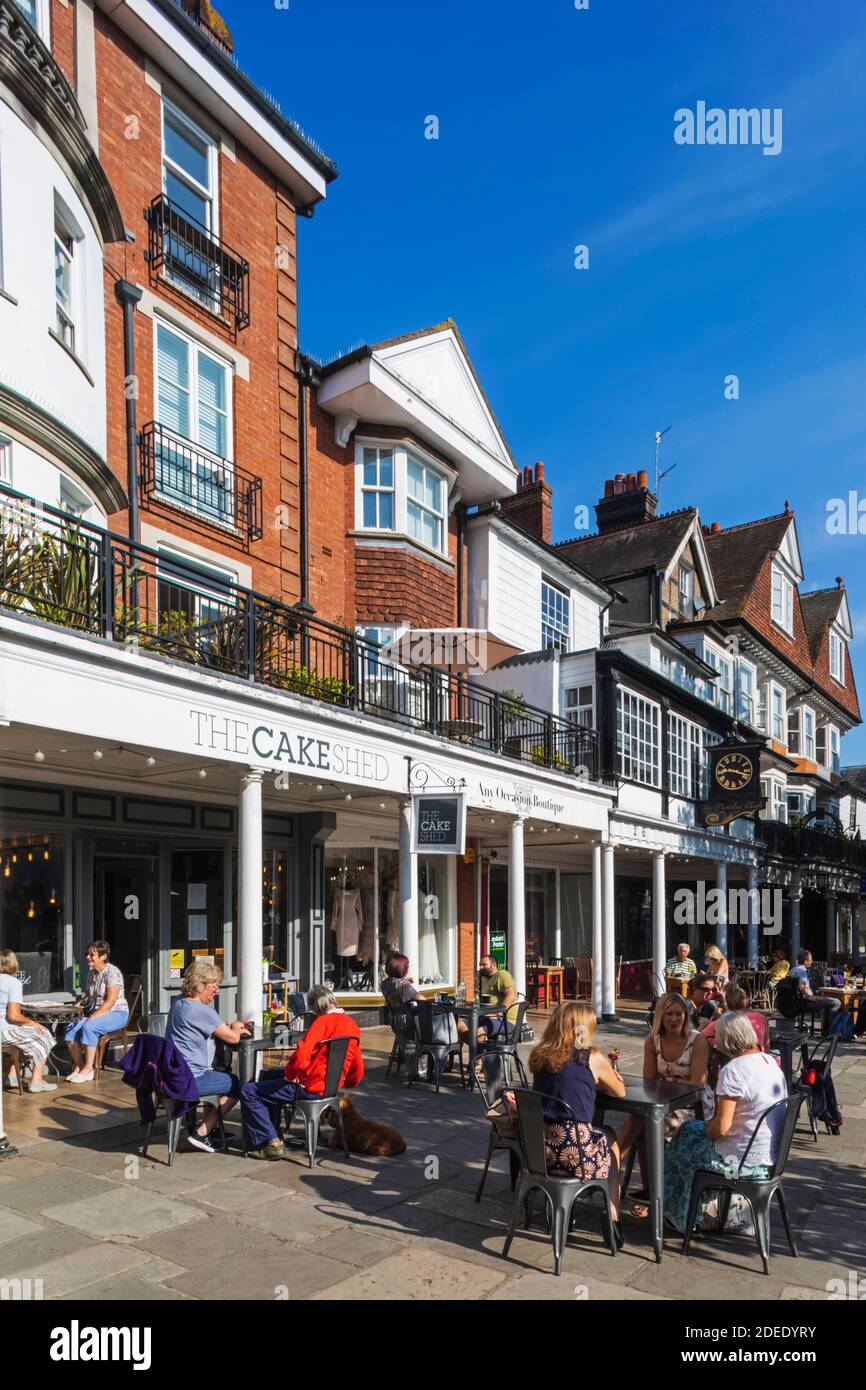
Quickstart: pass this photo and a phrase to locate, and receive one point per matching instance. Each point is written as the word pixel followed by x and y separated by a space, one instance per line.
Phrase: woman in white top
pixel 674 1051
pixel 748 1085
pixel 17 1030
pixel 105 1011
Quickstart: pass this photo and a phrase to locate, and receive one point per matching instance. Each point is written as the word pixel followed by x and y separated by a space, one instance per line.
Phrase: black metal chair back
pixel 337 1049
pixel 156 1024
pixel 530 1124
pixel 785 1139
pixel 427 1013
pixel 493 1076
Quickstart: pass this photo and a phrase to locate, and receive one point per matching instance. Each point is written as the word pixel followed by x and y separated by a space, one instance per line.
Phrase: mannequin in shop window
pixel 347 924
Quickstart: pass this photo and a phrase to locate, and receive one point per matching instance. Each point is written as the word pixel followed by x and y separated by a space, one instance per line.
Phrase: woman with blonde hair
pixel 566 1068
pixel 674 1051
pixel 717 966
pixel 192 1023
pixel 17 1030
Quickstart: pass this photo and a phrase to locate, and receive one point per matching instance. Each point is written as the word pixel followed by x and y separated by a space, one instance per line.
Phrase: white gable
pixel 843 624
pixel 789 553
pixel 436 367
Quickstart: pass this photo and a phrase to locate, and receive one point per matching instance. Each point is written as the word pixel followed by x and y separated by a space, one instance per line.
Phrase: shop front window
pixel 433 965
pixel 32 915
pixel 197 909
pixel 351 963
pixel 275 916
pixel 540 912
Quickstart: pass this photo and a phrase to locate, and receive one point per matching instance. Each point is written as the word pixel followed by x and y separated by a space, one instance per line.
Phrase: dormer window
pixel 686 591
pixel 782 610
pixel 401 492
pixel 837 658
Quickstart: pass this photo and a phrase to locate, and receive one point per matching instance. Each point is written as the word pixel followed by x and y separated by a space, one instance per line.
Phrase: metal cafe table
pixel 787 1041
pixel 473 1013
pixel 650 1101
pixel 53 1014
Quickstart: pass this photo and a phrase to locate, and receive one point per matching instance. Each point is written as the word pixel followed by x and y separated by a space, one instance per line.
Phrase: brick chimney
pixel 530 507
pixel 206 17
pixel 627 501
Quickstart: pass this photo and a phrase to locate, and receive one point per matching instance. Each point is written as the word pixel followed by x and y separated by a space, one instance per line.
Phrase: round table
pixel 52 1016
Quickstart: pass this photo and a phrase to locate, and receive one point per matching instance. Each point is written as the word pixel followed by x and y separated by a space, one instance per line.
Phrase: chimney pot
pixel 527 475
pixel 715 529
pixel 643 478
pixel 608 487
pixel 840 581
pixel 539 472
pixel 630 483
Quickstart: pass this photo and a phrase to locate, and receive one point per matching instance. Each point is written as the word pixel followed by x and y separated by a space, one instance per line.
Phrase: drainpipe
pixel 460 511
pixel 128 295
pixel 307 375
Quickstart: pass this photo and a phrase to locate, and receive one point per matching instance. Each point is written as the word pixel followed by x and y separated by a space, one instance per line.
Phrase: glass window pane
pixel 433 496
pixel 32 879
pixel 186 149
pixel 190 202
pixel 212 431
pixel 386 468
pixel 386 511
pixel 211 382
pixel 369 472
pixel 416 480
pixel 370 509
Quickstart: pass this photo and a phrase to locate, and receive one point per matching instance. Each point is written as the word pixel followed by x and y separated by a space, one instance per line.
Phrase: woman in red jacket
pixel 261 1100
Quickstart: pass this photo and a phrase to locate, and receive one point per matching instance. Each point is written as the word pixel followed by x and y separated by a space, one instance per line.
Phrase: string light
pixel 39 755
pixel 202 772
pixel 45 855
pixel 98 755
pixel 31 911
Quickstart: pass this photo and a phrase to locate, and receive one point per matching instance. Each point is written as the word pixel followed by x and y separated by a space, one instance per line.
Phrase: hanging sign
pixel 735 783
pixel 438 823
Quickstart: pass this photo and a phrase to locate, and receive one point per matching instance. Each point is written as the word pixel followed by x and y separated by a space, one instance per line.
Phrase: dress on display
pixel 347 920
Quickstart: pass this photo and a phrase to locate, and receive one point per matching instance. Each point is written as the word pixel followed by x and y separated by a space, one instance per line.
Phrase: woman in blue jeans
pixel 105 1011
pixel 192 1023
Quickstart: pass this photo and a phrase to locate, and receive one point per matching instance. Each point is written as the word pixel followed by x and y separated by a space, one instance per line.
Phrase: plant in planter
pixel 513 708
pixel 64 579
pixel 539 757
pixel 303 681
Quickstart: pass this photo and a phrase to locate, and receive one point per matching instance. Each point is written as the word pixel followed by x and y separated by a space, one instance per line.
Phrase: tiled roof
pixel 652 545
pixel 737 556
pixel 820 609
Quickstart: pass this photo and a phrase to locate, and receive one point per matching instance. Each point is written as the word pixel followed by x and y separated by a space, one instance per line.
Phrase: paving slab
pixel 292 1274
pixel 124 1212
pixel 416 1274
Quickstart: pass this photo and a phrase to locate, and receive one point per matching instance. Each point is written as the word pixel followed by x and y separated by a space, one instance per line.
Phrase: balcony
pixel 808 845
pixel 66 572
pixel 201 265
pixel 179 473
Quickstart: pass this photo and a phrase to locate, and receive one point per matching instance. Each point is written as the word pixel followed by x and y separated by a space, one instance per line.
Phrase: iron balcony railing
pixel 179 472
pixel 67 572
pixel 197 261
pixel 810 845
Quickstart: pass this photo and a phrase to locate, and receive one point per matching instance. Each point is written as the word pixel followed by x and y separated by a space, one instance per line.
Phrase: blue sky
pixel 556 129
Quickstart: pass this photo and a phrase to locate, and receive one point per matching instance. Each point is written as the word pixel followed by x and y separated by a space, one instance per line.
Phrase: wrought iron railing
pixel 809 845
pixel 191 256
pixel 68 572
pixel 178 471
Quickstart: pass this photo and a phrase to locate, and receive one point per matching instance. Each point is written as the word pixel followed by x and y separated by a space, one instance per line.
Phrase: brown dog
pixel 364 1136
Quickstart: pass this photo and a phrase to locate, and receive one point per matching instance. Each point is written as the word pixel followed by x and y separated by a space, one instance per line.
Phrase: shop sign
pixel 498 948
pixel 735 783
pixel 438 823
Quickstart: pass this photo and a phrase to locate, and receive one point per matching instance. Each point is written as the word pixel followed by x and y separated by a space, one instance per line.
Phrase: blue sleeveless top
pixel 575 1084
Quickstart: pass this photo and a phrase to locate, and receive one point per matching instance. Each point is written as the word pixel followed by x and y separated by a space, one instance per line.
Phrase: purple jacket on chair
pixel 155 1065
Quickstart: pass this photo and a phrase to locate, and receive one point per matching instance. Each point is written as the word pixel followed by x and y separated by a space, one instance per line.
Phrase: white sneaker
pixel 82 1076
pixel 41 1086
pixel 199 1143
pixel 9 1084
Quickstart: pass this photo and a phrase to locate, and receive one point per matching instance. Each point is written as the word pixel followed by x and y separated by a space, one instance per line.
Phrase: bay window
pixel 782 605
pixel 746 708
pixel 579 707
pixel 400 492
pixel 685 756
pixel 827 745
pixel 801 732
pixel 723 688
pixel 638 737
pixel 66 288
pixel 686 585
pixel 778 721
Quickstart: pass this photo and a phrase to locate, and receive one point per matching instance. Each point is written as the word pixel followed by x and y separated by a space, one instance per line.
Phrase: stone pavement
pixel 83 1213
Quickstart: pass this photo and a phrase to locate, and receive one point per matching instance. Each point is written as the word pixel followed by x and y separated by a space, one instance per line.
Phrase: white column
pixel 516 906
pixel 752 929
pixel 608 944
pixel 796 897
pixel 408 892
pixel 597 930
pixel 722 887
pixel 659 924
pixel 452 969
pixel 831 926
pixel 249 948
pixel 557 919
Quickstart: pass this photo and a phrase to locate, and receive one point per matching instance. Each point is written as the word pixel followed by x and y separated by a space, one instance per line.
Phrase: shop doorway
pixel 124 916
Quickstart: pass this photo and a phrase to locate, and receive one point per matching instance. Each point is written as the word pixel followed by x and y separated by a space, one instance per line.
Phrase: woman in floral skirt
pixel 566 1067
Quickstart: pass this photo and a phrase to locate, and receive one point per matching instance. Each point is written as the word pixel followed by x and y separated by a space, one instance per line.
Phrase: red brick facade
pixel 256 219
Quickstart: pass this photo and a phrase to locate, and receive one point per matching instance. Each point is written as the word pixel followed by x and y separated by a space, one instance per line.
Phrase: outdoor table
pixel 53 1016
pixel 651 1101
pixel 472 1013
pixel 543 974
pixel 786 1042
pixel 247 1049
pixel 463 730
pixel 851 997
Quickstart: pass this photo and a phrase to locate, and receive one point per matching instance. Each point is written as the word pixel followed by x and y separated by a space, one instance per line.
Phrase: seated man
pixel 497 987
pixel 306 1069
pixel 681 966
pixel 704 994
pixel 825 1005
pixel 781 965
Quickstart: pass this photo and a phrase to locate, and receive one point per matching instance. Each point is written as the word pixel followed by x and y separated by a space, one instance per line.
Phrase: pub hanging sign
pixel 735 783
pixel 438 823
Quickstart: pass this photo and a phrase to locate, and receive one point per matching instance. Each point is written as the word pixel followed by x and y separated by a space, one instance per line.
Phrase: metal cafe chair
pixel 505 1043
pixel 560 1193
pixel 120 1035
pixel 312 1108
pixel 438 1051
pixel 402 1024
pixel 493 1078
pixel 758 1192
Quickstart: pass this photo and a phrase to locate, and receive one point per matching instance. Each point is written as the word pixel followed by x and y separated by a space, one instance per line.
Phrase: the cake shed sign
pixel 438 823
